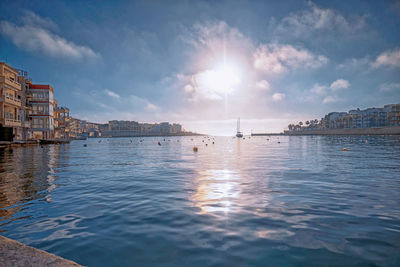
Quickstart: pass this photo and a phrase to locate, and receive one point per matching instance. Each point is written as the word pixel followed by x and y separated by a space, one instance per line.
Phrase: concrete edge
pixel 14 253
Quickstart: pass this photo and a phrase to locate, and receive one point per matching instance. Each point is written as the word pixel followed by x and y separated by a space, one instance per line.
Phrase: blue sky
pixel 205 63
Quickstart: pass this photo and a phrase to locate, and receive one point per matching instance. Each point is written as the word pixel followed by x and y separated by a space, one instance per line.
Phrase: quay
pixel 14 253
pixel 266 134
pixel 391 130
pixel 4 144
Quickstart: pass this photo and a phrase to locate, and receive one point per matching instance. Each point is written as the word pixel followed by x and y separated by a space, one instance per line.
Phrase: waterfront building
pixel 165 128
pixel 176 128
pixel 10 104
pixel 156 128
pixel 123 128
pixel 24 80
pixel 386 116
pixel 61 122
pixel 145 128
pixel 393 114
pixel 42 110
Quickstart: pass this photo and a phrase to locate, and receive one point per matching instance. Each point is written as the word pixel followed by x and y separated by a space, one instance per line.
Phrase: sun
pixel 220 80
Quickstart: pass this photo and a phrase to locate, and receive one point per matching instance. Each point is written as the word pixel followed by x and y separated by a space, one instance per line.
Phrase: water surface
pixel 284 201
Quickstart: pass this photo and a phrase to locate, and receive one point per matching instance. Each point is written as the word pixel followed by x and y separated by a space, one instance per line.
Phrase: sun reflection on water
pixel 217 191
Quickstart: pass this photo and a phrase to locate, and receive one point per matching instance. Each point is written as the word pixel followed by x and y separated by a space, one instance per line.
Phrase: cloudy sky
pixel 205 63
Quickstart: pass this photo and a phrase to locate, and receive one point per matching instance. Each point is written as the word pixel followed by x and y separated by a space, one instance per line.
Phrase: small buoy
pixel 159 143
pixel 213 142
pixel 206 144
pixel 344 149
pixel 279 142
pixel 195 149
pixel 100 141
pixel 85 145
pixel 203 141
pixel 164 139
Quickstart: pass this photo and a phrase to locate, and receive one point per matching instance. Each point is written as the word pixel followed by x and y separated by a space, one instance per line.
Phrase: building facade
pixel 11 105
pixel 386 116
pixel 61 122
pixel 42 110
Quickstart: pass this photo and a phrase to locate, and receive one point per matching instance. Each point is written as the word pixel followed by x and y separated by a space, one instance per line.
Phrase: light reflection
pixel 217 191
pixel 26 174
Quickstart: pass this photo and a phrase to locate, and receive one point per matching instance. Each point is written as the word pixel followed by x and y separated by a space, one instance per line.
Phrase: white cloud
pixel 388 87
pixel 30 18
pixel 316 19
pixel 330 99
pixel 388 59
pixel 216 36
pixel 278 97
pixel 318 89
pixel 151 107
pixel 340 84
pixel 263 85
pixel 35 36
pixel 276 58
pixel 143 103
pixel 112 94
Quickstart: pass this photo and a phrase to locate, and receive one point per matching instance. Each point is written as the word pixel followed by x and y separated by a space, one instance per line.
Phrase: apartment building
pixel 10 104
pixel 42 110
pixel 61 122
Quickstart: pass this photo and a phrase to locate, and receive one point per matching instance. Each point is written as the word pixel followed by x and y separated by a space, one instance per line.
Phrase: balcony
pixel 12 100
pixel 15 85
pixel 12 123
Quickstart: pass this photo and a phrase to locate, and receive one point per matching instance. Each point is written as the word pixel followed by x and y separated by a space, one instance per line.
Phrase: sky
pixel 205 63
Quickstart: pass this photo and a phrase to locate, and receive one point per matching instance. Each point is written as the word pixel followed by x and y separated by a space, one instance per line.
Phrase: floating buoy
pixel 213 142
pixel 100 141
pixel 206 144
pixel 159 143
pixel 279 142
pixel 344 149
pixel 85 145
pixel 203 141
pixel 195 149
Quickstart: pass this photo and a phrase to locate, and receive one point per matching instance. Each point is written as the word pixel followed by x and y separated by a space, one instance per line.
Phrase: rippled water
pixel 302 201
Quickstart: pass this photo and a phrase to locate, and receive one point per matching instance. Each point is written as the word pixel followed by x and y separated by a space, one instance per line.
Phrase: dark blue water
pixel 302 201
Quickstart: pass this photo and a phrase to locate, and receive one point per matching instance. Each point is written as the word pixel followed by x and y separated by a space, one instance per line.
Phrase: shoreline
pixel 14 253
pixel 390 130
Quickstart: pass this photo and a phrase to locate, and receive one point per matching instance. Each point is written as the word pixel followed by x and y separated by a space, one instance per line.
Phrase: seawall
pixel 13 253
pixel 393 130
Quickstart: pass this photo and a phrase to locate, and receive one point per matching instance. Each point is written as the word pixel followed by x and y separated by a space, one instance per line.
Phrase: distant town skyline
pixel 205 63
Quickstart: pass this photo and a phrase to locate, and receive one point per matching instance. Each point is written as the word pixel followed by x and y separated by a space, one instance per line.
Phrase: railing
pixel 11 82
pixel 12 100
pixel 12 122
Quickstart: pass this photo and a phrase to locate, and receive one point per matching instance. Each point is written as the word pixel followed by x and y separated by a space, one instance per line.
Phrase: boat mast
pixel 238 125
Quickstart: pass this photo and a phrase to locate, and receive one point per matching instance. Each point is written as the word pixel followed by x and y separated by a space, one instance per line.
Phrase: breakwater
pixel 393 130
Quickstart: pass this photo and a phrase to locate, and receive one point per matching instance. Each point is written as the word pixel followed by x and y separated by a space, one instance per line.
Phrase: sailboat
pixel 239 134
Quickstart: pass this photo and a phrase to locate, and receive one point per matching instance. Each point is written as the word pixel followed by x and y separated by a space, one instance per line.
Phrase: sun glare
pixel 222 80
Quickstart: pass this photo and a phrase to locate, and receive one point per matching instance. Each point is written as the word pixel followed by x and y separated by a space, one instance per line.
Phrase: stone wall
pixel 394 130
